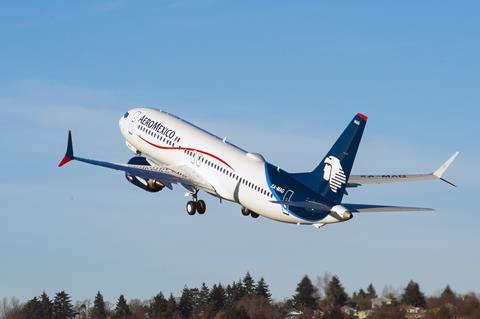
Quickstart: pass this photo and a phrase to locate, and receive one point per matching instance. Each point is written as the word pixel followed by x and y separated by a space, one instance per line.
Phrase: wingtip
pixel 64 161
pixel 443 168
pixel 448 182
pixel 69 153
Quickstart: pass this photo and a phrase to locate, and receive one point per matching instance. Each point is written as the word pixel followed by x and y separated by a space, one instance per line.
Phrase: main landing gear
pixel 196 206
pixel 247 212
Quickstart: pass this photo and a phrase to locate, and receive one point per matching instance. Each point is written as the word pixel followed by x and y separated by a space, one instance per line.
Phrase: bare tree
pixel 83 308
pixel 4 307
pixel 390 292
pixel 322 283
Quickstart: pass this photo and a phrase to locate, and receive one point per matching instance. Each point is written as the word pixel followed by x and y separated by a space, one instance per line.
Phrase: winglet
pixel 69 154
pixel 442 169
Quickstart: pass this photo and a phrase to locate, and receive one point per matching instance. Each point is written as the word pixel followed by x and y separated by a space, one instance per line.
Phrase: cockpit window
pixel 125 115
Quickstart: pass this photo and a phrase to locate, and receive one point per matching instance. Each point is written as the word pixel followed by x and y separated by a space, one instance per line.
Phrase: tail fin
pixel 330 177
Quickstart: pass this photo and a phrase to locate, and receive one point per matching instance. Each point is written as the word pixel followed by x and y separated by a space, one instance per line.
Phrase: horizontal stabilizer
pixel 358 180
pixel 365 208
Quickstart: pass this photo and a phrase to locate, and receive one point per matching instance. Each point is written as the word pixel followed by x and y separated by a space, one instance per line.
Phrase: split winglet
pixel 442 169
pixel 69 154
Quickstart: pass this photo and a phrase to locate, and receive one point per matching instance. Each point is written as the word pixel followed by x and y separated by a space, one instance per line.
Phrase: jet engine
pixel 341 213
pixel 150 185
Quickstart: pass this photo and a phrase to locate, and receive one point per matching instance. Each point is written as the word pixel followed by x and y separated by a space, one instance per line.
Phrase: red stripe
pixel 64 161
pixel 362 116
pixel 187 149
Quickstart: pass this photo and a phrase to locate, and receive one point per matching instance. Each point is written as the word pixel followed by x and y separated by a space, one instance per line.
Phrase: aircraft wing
pixel 358 180
pixel 162 173
pixel 363 208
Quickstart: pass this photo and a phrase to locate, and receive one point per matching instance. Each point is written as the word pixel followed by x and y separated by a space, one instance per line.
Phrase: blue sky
pixel 278 77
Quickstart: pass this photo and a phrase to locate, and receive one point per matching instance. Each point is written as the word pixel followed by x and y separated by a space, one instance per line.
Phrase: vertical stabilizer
pixel 330 177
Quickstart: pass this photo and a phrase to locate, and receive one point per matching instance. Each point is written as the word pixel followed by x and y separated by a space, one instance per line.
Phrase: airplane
pixel 169 150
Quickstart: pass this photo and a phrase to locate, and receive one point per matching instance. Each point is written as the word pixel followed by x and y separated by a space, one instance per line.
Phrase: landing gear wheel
pixel 201 207
pixel 245 212
pixel 254 215
pixel 191 208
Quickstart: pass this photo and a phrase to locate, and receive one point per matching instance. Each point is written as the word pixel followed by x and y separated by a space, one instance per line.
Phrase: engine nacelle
pixel 150 185
pixel 340 212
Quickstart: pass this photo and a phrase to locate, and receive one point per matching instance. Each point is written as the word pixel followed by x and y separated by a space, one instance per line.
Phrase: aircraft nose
pixel 122 121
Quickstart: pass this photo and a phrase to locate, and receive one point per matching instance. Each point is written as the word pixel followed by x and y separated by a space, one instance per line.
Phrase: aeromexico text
pixel 157 127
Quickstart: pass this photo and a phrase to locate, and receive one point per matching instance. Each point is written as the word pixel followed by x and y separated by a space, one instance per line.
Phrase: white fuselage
pixel 234 174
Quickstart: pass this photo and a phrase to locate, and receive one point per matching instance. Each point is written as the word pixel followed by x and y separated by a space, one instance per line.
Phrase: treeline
pixel 250 299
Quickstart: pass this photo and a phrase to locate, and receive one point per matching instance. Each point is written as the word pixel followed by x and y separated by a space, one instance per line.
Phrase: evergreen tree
pixel 122 310
pixel 335 294
pixel 33 309
pixel 171 307
pixel 185 306
pixel 249 284
pixel 448 296
pixel 362 293
pixel 217 298
pixel 99 310
pixel 262 289
pixel 413 296
pixel 203 299
pixel 195 297
pixel 158 307
pixel 304 296
pixel 372 293
pixel 62 307
pixel 362 300
pixel 238 291
pixel 229 296
pixel 46 306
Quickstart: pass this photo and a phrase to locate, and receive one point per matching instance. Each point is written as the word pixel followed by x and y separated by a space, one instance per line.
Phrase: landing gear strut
pixel 195 205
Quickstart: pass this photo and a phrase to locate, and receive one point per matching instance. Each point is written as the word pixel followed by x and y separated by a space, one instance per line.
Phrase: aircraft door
pixel 286 198
pixel 199 160
pixel 193 157
pixel 131 125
